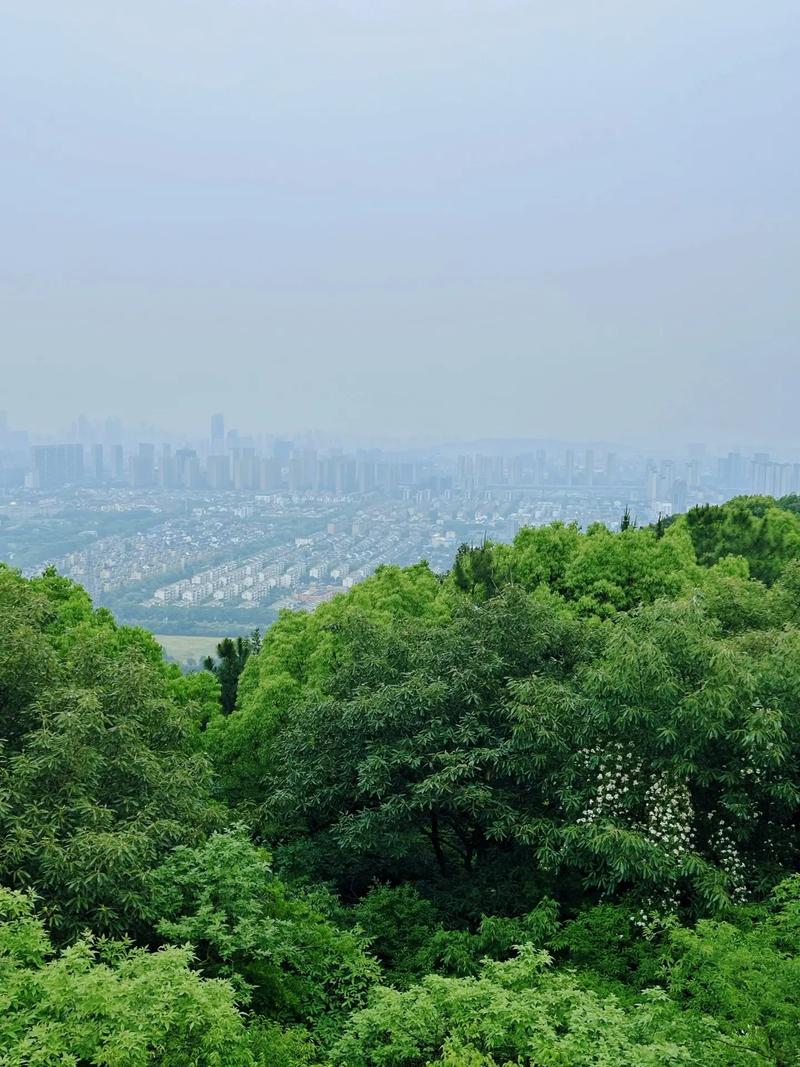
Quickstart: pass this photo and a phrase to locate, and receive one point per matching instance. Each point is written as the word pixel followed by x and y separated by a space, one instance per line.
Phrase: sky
pixel 410 217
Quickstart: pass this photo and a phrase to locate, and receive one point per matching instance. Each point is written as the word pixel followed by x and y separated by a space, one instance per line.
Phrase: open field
pixel 184 648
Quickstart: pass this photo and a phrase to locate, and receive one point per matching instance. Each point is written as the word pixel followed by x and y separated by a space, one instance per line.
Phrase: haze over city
pixel 448 220
pixel 399 533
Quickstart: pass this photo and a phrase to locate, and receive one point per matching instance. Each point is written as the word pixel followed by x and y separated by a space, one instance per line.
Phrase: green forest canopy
pixel 544 809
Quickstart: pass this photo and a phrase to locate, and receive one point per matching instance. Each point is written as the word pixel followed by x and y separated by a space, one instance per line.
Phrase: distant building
pixel 98 469
pixel 680 496
pixel 55 466
pixel 612 472
pixel 569 467
pixel 217 433
pixel 218 472
pixel 117 463
pixel 143 467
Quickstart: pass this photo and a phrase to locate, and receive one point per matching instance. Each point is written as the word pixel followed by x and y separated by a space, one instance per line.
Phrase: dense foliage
pixel 544 809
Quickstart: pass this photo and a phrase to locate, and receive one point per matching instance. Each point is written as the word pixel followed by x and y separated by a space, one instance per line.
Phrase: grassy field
pixel 183 648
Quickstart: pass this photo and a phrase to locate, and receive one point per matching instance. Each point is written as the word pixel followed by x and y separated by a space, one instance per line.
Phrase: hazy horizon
pixel 440 220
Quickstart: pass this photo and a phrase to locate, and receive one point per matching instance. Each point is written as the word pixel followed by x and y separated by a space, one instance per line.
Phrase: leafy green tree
pixel 657 755
pixel 521 1011
pixel 476 570
pixel 416 749
pixel 757 528
pixel 105 1003
pixel 617 572
pixel 232 655
pixel 300 654
pixel 247 926
pixel 100 769
pixel 540 556
pixel 688 782
pixel 745 976
pixel 408 936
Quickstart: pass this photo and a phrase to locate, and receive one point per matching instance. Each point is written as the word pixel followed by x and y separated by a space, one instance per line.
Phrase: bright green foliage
pixel 757 528
pixel 99 770
pixel 521 1012
pixel 246 925
pixel 108 1004
pixel 418 754
pixel 600 572
pixel 587 745
pixel 540 555
pixel 746 977
pixel 659 754
pixel 299 654
pixel 616 572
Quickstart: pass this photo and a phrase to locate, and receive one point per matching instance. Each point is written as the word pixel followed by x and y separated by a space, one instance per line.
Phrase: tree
pixel 100 771
pixel 232 655
pixel 109 1004
pixel 745 976
pixel 757 528
pixel 247 926
pixel 656 755
pixel 415 747
pixel 300 654
pixel 520 1011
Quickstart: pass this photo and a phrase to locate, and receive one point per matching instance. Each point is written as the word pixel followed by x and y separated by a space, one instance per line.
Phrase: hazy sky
pixel 574 218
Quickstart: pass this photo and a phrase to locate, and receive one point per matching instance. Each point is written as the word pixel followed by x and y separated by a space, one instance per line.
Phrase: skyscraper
pixel 217 433
pixel 611 468
pixel 97 464
pixel 57 465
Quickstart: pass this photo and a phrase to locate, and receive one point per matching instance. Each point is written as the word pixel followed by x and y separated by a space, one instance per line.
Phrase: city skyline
pixel 112 429
pixel 219 533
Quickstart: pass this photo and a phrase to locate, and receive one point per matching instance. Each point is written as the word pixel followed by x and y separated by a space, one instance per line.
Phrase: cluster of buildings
pixel 203 533
pixel 111 564
pixel 312 568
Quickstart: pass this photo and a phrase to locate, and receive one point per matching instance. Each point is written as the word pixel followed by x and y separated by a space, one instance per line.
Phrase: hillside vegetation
pixel 542 810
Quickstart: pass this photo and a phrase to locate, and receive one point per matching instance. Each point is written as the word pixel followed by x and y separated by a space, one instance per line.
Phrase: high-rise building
pixel 541 466
pixel 97 464
pixel 143 467
pixel 612 472
pixel 270 475
pixel 217 433
pixel 117 463
pixel 680 496
pixel 55 466
pixel 245 469
pixel 218 472
pixel 732 471
pixel 166 468
pixel 187 468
